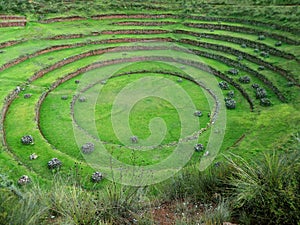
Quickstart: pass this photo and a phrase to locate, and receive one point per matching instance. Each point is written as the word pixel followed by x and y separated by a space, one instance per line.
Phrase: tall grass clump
pixel 267 190
pixel 202 186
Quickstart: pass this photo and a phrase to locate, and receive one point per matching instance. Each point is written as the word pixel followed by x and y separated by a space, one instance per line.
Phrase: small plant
pixel 230 103
pixel 198 113
pixel 255 86
pixel 245 80
pixel 88 148
pixel 224 85
pixel 230 94
pixel 265 102
pixel 261 93
pixel 82 99
pixel 264 54
pixel 27 95
pixel 199 147
pixel 27 140
pixel 64 97
pixel 33 156
pixel 233 71
pixel 24 180
pixel 97 177
pixel 54 163
pixel 278 44
pixel 134 139
pixel 261 37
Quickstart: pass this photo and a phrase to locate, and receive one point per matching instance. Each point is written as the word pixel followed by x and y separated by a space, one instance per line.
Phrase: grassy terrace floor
pixel 35 37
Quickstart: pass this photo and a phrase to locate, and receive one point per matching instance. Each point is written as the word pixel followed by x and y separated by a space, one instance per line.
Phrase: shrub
pixel 233 71
pixel 255 86
pixel 264 54
pixel 261 37
pixel 267 190
pixel 27 140
pixel 198 113
pixel 88 148
pixel 54 163
pixel 230 94
pixel 97 177
pixel 265 102
pixel 261 93
pixel 27 95
pixel 230 103
pixel 24 180
pixel 64 97
pixel 245 79
pixel 199 147
pixel 224 85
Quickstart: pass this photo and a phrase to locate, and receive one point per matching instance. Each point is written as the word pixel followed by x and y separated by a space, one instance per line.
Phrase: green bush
pixel 267 190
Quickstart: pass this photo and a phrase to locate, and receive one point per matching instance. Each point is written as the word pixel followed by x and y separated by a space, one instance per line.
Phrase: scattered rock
pixel 179 80
pixel 77 81
pixel 103 82
pixel 261 68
